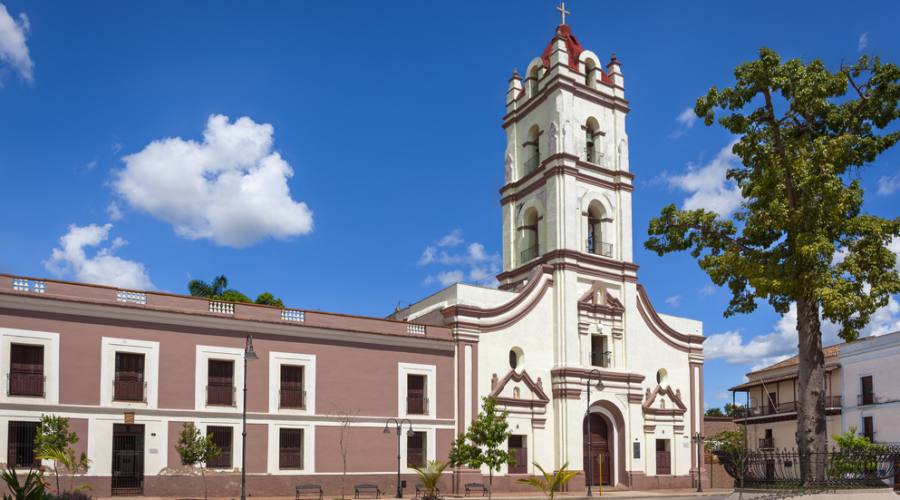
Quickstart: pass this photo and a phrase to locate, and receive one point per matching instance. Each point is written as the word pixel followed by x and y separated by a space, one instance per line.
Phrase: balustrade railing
pixel 598 247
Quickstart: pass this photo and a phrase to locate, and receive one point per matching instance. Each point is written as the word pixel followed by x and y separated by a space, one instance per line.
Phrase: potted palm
pixel 430 474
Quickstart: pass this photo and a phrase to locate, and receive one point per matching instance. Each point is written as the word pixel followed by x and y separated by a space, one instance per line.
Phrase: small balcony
pixel 25 384
pixel 528 254
pixel 766 443
pixel 416 405
pixel 598 248
pixel 126 390
pixel 530 165
pixel 220 395
pixel 292 399
pixel 602 359
pixel 867 398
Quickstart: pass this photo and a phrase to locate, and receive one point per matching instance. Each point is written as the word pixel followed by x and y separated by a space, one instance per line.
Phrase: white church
pixel 570 339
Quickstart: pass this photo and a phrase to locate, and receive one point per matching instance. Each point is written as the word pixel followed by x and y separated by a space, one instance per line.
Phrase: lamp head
pixel 249 353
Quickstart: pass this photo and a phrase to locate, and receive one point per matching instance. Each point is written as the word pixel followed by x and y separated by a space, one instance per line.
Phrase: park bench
pixel 470 487
pixel 363 489
pixel 309 489
pixel 421 490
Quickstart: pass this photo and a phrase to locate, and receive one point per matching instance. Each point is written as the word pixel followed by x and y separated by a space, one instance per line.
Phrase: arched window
pixel 591 130
pixel 530 237
pixel 589 66
pixel 595 244
pixel 533 78
pixel 532 150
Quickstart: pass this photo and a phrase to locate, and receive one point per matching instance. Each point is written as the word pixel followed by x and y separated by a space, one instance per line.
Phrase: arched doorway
pixel 599 450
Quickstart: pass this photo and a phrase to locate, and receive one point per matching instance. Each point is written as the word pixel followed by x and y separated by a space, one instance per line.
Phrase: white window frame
pixel 201 377
pixel 236 443
pixel 50 342
pixel 430 373
pixel 109 346
pixel 308 362
pixel 430 443
pixel 309 444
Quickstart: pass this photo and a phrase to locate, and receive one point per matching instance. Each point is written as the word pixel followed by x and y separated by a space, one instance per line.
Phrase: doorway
pixel 663 458
pixel 128 460
pixel 596 450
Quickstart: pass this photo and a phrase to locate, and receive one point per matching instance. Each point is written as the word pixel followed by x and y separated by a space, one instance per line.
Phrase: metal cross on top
pixel 562 10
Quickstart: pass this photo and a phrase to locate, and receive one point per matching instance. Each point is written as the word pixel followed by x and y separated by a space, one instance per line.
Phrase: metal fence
pixel 780 469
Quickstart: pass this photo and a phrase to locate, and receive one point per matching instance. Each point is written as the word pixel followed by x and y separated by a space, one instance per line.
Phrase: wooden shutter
pixel 221 382
pixel 291 387
pixel 26 370
pixel 415 394
pixel 415 449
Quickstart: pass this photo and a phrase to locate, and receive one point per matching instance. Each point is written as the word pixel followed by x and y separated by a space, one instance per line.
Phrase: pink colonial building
pixel 129 368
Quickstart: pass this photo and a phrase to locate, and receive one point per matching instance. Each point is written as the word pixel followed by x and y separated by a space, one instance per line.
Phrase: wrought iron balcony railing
pixel 766 443
pixel 130 390
pixel 220 395
pixel 292 399
pixel 528 254
pixel 25 384
pixel 416 406
pixel 598 247
pixel 601 359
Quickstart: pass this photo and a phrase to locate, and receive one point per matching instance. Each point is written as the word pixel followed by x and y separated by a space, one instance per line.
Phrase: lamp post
pixel 697 439
pixel 399 425
pixel 249 354
pixel 587 412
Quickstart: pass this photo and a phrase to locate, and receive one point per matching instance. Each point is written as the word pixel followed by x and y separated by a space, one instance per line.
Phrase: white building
pixel 570 311
pixel 869 374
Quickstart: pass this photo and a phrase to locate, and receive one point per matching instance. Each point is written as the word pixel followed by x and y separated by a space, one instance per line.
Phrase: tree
pixel 195 449
pixel 268 299
pixel 733 410
pixel 799 236
pixel 483 441
pixel 714 412
pixel 53 442
pixel 858 456
pixel 549 484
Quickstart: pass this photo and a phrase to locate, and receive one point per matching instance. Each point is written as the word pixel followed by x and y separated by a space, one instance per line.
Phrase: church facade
pixel 570 315
pixel 569 345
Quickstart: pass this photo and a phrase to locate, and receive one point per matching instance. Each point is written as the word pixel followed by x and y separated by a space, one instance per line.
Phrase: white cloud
pixel 781 343
pixel 863 42
pixel 674 300
pixel 888 185
pixel 707 185
pixel 708 290
pixel 103 268
pixel 13 50
pixel 687 118
pixel 230 188
pixel 482 265
pixel 113 210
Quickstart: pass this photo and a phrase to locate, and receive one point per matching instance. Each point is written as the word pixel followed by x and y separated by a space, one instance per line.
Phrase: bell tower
pixel 567 191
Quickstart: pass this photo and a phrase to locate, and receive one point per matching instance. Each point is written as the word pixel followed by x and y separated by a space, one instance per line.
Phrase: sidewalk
pixel 500 496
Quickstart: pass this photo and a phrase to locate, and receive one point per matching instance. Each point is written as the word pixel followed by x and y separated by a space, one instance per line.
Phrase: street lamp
pixel 399 425
pixel 587 412
pixel 249 354
pixel 697 439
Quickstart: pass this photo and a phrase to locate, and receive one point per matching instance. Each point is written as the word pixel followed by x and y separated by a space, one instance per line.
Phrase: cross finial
pixel 562 10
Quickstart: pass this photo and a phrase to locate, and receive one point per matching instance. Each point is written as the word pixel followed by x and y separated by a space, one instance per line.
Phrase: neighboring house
pixel 870 372
pixel 860 392
pixel 130 367
pixel 769 402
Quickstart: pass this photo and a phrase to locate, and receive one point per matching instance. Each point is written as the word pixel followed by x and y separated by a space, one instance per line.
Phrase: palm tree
pixel 430 474
pixel 215 289
pixel 550 483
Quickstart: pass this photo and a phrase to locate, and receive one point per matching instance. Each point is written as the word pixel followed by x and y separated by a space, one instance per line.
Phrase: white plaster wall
pixel 879 358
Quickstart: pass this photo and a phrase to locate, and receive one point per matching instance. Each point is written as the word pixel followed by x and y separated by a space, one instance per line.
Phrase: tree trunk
pixel 812 437
pixel 203 476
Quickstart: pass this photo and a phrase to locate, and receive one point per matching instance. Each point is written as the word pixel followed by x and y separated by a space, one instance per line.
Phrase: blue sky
pixel 388 117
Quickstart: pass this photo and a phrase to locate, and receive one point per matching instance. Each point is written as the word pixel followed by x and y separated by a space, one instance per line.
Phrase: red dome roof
pixel 573 47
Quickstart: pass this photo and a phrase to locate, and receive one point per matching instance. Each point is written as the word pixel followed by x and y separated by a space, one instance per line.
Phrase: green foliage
pixel 714 412
pixel 31 489
pixel 218 289
pixel 727 441
pixel 549 484
pixel 802 199
pixel 856 454
pixel 482 444
pixel 54 442
pixel 195 449
pixel 430 474
pixel 268 299
pixel 732 410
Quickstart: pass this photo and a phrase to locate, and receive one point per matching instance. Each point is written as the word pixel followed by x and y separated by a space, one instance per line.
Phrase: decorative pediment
pixel 507 391
pixel 664 394
pixel 598 300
